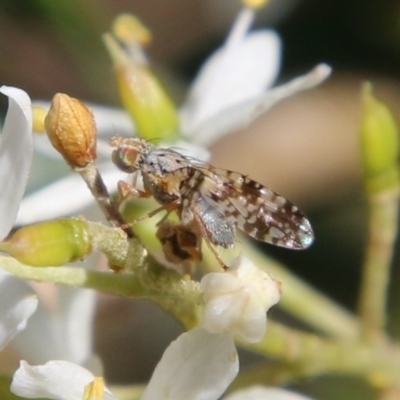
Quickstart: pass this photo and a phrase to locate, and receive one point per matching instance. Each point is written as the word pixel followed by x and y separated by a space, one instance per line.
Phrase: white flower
pixel 15 155
pixel 58 380
pixel 17 300
pixel 237 300
pixel 198 366
pixel 233 86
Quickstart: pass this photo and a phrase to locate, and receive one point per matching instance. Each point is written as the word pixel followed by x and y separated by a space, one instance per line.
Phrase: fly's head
pixel 129 153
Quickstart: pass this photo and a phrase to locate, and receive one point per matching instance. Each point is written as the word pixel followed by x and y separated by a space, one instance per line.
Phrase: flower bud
pixel 71 128
pixel 153 112
pixel 50 243
pixel 237 300
pixel 379 144
pixel 129 29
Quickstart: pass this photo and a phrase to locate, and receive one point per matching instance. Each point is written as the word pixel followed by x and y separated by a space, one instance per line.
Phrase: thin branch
pixel 302 355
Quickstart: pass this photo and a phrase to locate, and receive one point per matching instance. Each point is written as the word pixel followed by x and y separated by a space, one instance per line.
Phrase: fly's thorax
pixel 165 190
pixel 163 162
pixel 164 172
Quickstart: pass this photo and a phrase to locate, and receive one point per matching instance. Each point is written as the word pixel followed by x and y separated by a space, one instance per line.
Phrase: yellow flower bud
pixel 129 29
pixel 71 128
pixel 153 112
pixel 50 243
pixel 379 144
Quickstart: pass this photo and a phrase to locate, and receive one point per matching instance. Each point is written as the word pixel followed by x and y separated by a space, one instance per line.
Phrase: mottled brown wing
pixel 255 209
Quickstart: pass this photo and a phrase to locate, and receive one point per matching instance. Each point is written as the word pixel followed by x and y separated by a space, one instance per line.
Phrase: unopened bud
pixel 142 96
pixel 237 300
pixel 50 243
pixel 379 144
pixel 71 128
pixel 129 29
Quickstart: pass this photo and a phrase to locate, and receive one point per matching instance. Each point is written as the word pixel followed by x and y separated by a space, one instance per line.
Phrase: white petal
pixel 232 76
pixel 237 300
pixel 197 366
pixel 15 155
pixel 65 197
pixel 59 380
pixel 265 393
pixel 241 115
pixel 17 303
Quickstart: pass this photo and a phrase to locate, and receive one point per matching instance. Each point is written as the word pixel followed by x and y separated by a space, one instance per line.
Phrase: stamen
pixel 255 4
pixel 94 390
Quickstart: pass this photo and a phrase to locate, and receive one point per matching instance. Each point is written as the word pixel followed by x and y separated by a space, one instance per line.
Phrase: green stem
pixel 178 296
pixel 383 220
pixel 303 355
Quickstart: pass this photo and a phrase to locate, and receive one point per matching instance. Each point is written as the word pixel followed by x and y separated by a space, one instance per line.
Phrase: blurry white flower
pixel 17 300
pixel 198 365
pixel 233 86
pixel 15 155
pixel 237 300
pixel 17 303
pixel 58 380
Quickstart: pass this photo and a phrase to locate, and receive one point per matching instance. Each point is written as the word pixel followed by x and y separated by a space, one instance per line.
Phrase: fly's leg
pixel 128 191
pixel 166 207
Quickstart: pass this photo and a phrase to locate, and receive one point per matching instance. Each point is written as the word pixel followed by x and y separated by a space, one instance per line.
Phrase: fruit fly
pixel 217 201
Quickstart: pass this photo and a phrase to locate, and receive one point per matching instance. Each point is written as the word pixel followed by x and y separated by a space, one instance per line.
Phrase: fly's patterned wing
pixel 255 209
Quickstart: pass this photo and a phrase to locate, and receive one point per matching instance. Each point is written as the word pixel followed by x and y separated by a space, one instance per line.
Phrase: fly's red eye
pixel 126 159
